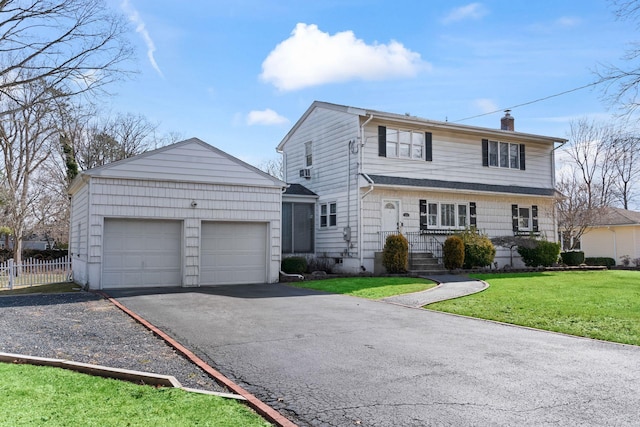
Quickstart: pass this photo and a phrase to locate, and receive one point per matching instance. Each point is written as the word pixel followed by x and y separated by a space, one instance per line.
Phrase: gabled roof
pixel 454 185
pixel 191 160
pixel 617 216
pixel 413 120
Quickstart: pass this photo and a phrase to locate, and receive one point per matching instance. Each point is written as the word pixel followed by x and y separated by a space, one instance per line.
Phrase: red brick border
pixel 256 404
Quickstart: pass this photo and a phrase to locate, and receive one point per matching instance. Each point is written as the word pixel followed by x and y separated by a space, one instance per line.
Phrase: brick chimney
pixel 506 123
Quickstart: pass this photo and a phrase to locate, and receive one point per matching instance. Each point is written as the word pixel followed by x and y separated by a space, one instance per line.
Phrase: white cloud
pixel 470 11
pixel 141 29
pixel 311 57
pixel 486 105
pixel 265 117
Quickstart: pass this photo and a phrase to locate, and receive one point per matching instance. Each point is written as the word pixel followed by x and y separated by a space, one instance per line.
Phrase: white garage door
pixel 233 253
pixel 140 253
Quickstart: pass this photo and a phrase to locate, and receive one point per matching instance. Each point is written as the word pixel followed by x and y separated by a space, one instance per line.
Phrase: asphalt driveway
pixel 331 360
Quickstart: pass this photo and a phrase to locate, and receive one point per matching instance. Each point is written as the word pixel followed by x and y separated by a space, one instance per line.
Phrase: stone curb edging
pixel 256 404
pixel 138 377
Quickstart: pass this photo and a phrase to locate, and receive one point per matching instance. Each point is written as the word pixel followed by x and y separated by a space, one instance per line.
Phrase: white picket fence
pixel 34 272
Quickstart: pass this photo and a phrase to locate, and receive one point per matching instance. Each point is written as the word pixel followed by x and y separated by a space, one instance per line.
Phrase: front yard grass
pixel 36 395
pixel 368 287
pixel 595 304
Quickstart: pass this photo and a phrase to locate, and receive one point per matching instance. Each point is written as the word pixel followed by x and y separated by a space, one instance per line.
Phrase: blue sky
pixel 239 73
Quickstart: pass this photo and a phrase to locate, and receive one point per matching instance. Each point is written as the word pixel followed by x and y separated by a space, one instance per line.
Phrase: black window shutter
pixel 428 143
pixel 423 215
pixel 472 214
pixel 522 162
pixel 534 218
pixel 485 152
pixel 382 141
pixel 514 217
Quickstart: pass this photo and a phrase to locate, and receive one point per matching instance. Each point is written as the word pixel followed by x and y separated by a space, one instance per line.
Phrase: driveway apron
pixel 331 360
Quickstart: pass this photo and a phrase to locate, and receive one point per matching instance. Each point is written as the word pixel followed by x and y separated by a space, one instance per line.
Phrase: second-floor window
pixel 503 154
pixel 404 144
pixel 328 215
pixel 308 155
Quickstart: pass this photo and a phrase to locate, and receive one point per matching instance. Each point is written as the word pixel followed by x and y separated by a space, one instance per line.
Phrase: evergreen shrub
pixel 395 255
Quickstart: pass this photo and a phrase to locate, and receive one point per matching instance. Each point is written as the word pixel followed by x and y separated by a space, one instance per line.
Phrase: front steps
pixel 424 264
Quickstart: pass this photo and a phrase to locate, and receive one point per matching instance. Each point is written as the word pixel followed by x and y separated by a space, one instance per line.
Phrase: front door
pixel 390 216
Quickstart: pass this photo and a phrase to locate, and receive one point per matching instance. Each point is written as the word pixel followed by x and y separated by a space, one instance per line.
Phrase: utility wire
pixel 531 102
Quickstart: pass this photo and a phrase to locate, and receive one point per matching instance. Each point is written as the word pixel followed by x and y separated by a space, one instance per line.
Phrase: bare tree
pixel 575 211
pixel 621 83
pixel 26 135
pixel 591 150
pixel 273 167
pixel 67 47
pixel 626 162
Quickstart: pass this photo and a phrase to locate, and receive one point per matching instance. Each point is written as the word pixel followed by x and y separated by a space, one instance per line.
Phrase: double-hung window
pixel 308 154
pixel 328 215
pixel 446 216
pixel 405 144
pixel 524 219
pixel 503 155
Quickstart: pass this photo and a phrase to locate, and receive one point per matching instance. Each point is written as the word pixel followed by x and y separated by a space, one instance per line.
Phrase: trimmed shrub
pixel 395 255
pixel 607 262
pixel 453 253
pixel 478 249
pixel 543 253
pixel 572 258
pixel 294 265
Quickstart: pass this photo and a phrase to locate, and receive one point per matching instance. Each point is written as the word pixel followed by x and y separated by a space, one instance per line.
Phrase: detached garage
pixel 184 215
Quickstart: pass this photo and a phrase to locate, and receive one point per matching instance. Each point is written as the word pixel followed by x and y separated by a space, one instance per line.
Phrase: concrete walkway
pixel 449 286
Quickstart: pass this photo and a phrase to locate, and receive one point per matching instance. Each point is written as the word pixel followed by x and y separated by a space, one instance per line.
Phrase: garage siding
pixel 165 200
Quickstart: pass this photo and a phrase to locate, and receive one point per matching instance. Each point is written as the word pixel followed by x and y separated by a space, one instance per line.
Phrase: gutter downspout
pixel 363 141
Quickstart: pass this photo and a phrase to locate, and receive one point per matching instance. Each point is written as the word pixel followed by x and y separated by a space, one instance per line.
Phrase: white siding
pixel 187 161
pixel 612 242
pixel 493 215
pixel 78 235
pixel 330 133
pixel 458 157
pixel 136 198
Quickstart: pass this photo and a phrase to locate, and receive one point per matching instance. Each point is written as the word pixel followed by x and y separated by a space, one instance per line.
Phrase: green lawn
pixel 52 288
pixel 44 396
pixel 595 304
pixel 368 287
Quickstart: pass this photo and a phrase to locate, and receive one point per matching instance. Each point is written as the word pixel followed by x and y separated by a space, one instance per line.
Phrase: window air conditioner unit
pixel 305 173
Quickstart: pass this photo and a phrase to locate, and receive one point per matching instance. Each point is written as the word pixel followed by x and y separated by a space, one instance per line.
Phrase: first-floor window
pixel 328 215
pixel 524 219
pixel 443 215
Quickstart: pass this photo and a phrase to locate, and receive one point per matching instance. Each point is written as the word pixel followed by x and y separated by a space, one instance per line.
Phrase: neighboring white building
pixel 376 173
pixel 186 214
pixel 614 234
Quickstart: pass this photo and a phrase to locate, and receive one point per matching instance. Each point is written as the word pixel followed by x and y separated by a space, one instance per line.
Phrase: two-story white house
pixel 358 175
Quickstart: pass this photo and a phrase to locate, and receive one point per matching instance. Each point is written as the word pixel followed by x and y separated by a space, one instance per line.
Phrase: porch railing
pixel 34 272
pixel 418 242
